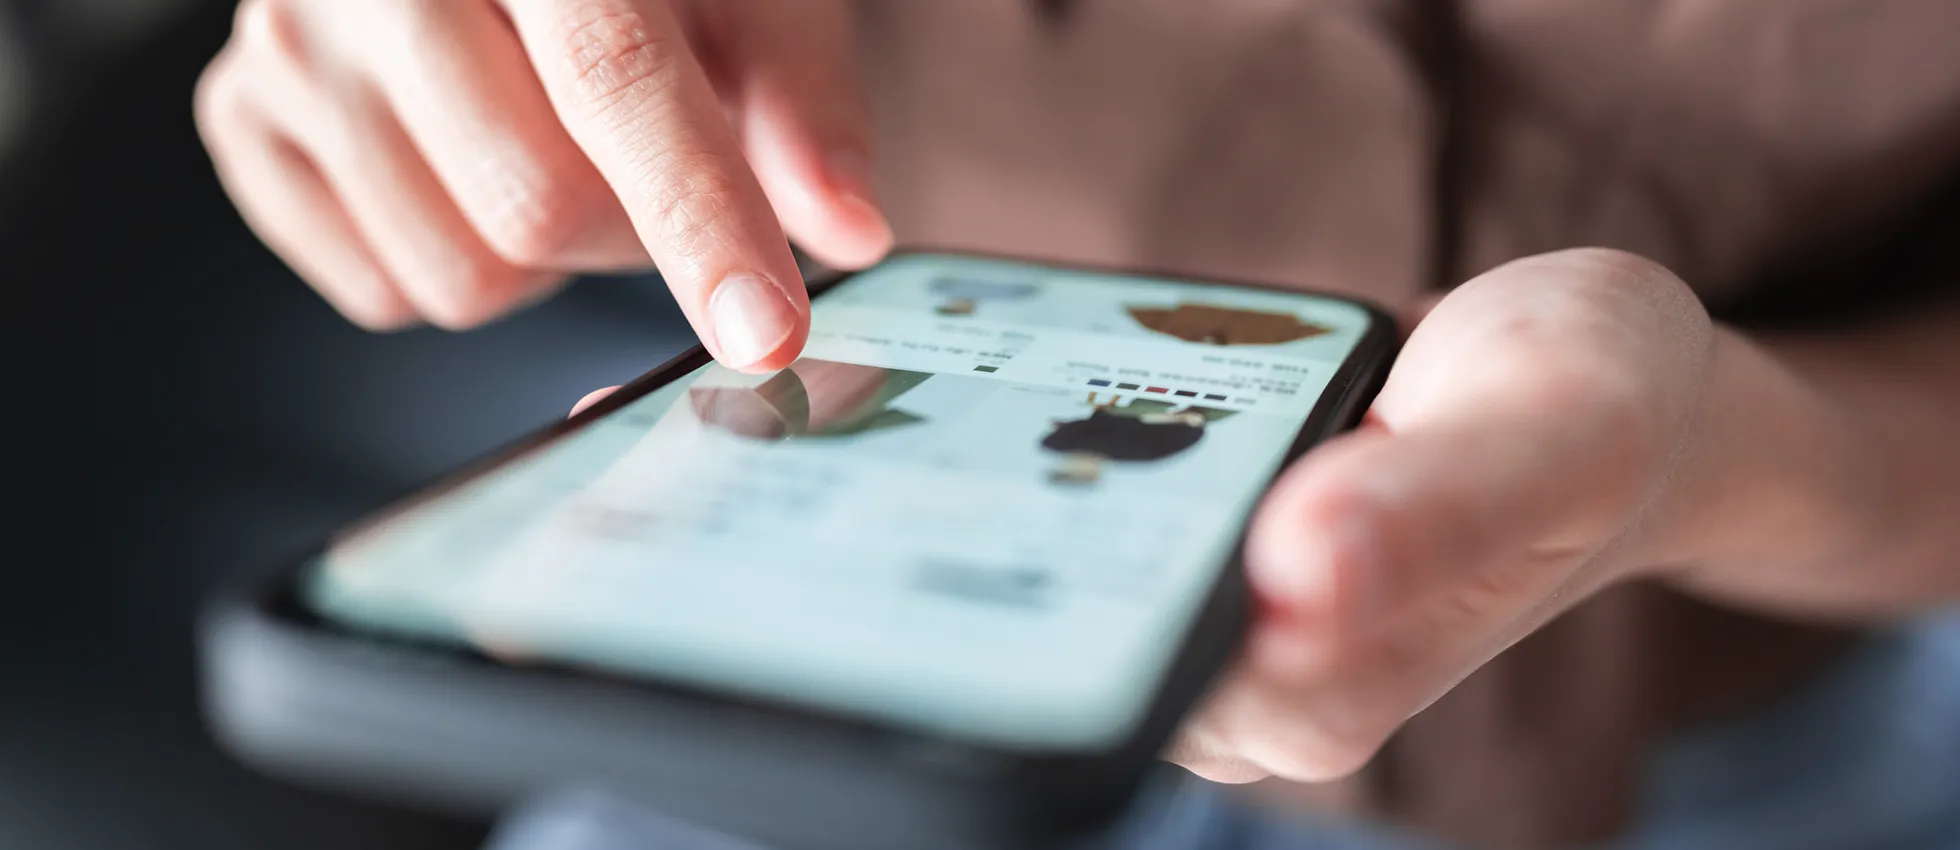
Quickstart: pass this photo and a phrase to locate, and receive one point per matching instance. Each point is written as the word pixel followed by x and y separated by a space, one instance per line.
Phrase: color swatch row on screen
pixel 1099 382
pixel 1142 388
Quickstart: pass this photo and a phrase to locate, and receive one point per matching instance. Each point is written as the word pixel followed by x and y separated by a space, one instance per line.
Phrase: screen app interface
pixel 987 503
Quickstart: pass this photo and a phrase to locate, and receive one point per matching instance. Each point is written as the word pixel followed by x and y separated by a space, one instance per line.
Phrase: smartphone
pixel 949 580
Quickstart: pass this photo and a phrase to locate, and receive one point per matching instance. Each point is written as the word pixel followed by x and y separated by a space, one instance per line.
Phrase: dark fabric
pixel 1117 437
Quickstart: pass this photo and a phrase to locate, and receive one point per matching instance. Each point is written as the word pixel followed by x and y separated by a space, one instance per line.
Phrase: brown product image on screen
pixel 1213 325
pixel 812 399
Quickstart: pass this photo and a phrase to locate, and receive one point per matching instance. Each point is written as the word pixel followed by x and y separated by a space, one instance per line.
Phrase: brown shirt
pixel 1386 147
pixel 1350 142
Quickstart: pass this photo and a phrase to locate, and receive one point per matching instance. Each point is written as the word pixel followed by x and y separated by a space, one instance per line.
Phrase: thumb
pixel 805 126
pixel 1533 411
pixel 1532 416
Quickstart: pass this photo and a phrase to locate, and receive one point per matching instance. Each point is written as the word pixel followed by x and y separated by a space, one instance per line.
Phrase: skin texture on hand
pixel 452 161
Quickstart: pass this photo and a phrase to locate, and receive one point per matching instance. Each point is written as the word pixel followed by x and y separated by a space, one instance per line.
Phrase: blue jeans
pixel 1865 757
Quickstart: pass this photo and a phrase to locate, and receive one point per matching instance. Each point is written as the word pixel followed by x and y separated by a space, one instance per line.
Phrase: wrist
pixel 1773 485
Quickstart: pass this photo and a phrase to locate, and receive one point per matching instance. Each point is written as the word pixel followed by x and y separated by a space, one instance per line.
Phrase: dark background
pixel 193 414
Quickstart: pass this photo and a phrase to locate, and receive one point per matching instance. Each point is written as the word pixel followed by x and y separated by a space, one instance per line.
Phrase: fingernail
pixel 752 318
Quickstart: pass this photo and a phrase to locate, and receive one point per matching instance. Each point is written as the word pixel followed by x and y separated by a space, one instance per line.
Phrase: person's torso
pixel 1379 148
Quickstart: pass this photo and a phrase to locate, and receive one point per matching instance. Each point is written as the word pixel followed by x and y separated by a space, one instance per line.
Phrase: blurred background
pixel 197 413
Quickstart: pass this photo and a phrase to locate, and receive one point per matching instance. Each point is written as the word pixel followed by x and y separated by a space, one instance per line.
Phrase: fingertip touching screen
pixel 986 504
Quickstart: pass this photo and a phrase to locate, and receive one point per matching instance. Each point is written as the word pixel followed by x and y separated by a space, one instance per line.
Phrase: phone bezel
pixel 1205 647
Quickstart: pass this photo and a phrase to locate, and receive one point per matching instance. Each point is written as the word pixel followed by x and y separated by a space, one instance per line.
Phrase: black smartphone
pixel 950 580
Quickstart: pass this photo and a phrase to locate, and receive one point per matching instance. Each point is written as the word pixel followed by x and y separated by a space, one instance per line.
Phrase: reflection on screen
pixel 986 503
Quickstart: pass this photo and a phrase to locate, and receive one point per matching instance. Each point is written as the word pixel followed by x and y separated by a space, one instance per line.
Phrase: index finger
pixel 622 78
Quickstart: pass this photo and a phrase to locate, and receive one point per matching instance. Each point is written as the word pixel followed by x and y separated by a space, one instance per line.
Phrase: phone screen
pixel 986 504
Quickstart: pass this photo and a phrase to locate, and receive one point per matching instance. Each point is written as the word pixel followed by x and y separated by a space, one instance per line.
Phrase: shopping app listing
pixel 986 503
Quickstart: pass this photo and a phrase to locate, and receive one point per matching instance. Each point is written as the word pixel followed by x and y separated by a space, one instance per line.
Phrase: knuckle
pixel 692 208
pixel 614 54
pixel 1627 286
pixel 1625 403
pixel 1610 266
pixel 342 128
pixel 269 25
pixel 1636 459
pixel 219 99
pixel 1620 410
pixel 1622 269
pixel 531 226
pixel 470 294
pixel 1611 261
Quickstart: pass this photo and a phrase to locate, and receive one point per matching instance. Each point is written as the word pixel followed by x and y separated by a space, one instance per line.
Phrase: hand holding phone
pixel 966 563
